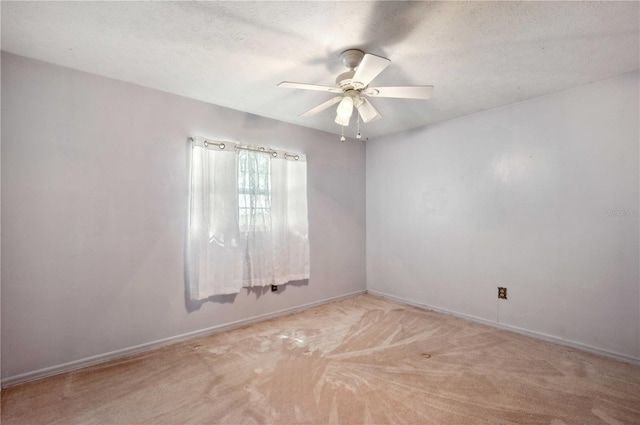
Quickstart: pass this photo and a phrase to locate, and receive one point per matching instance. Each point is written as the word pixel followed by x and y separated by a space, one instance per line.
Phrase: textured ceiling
pixel 477 55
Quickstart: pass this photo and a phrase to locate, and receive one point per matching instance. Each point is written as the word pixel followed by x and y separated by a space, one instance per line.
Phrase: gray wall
pixel 0 236
pixel 539 196
pixel 94 204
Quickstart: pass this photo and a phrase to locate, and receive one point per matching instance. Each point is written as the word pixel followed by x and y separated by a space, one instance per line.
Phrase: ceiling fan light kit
pixel 345 110
pixel 352 87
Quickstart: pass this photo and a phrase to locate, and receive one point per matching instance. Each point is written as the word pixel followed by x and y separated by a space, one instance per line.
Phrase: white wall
pixel 517 196
pixel 94 203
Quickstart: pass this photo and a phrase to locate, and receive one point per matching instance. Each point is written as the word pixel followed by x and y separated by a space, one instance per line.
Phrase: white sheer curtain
pixel 289 220
pixel 256 235
pixel 213 263
pixel 247 221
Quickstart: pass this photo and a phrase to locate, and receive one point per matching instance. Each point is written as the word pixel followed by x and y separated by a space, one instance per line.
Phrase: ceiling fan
pixel 353 88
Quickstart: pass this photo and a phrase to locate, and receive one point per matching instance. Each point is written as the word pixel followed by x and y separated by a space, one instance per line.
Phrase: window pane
pixel 254 201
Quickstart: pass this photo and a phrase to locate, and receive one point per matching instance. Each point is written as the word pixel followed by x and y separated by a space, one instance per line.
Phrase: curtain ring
pixel 206 144
pixel 274 154
pixel 297 157
pixel 221 146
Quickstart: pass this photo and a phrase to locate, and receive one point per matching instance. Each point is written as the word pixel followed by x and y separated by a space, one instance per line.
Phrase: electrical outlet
pixel 274 288
pixel 502 293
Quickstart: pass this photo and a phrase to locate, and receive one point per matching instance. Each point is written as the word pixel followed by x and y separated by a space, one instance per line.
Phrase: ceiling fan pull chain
pixel 358 135
pixel 342 139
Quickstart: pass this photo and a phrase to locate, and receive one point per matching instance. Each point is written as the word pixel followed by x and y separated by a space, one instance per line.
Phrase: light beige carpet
pixel 364 360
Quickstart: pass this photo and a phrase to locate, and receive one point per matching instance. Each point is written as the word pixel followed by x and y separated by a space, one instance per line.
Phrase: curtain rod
pixel 273 152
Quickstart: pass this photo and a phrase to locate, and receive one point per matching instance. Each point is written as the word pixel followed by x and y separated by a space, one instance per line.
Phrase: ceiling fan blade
pixel 406 92
pixel 367 111
pixel 370 67
pixel 321 107
pixel 304 86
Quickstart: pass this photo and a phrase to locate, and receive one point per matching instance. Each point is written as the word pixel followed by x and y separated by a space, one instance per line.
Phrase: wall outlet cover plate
pixel 502 293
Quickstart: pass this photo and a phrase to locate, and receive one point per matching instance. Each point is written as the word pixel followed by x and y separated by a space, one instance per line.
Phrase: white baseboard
pixel 522 331
pixel 101 358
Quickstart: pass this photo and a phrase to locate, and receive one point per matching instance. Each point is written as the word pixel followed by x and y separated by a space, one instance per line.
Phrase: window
pixel 254 190
pixel 247 219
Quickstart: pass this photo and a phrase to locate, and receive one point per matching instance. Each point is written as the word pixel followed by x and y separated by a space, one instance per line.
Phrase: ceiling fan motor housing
pixel 345 82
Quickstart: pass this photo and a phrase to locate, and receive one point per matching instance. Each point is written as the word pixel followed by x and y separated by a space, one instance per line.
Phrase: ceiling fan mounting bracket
pixel 351 58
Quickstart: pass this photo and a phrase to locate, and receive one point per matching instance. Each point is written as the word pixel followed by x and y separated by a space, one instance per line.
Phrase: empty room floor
pixel 362 360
